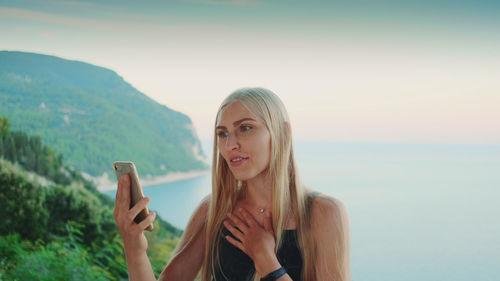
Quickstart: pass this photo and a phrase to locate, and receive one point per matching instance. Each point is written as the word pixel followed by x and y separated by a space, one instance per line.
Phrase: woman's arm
pixel 330 230
pixel 134 241
pixel 255 240
pixel 192 243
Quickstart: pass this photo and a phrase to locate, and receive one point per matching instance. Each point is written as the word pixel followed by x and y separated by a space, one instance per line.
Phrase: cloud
pixel 116 24
pixel 71 3
pixel 29 15
pixel 245 3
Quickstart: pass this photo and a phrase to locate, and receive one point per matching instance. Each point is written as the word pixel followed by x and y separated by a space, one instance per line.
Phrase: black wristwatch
pixel 273 276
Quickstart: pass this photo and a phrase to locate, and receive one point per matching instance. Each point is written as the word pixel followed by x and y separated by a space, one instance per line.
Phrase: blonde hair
pixel 288 193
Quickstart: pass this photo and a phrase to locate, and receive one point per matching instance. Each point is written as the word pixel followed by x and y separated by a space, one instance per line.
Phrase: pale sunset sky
pixel 362 71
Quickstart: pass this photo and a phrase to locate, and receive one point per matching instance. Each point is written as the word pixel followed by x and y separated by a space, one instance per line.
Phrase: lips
pixel 237 160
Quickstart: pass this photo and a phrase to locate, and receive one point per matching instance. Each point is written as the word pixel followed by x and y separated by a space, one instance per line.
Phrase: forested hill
pixel 93 117
pixel 55 224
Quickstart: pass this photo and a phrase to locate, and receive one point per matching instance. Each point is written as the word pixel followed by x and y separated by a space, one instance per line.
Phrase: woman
pixel 259 221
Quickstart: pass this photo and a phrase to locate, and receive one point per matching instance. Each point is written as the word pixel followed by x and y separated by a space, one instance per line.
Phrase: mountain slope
pixel 93 117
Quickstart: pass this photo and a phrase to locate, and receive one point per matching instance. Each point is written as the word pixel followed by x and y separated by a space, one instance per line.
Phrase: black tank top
pixel 237 266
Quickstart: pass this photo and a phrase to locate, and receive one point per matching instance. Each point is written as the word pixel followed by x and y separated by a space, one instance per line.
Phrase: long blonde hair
pixel 288 193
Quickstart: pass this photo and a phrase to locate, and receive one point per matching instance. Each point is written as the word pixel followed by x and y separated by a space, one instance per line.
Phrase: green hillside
pixel 56 225
pixel 93 117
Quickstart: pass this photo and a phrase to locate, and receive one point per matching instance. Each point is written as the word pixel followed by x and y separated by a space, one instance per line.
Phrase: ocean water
pixel 417 211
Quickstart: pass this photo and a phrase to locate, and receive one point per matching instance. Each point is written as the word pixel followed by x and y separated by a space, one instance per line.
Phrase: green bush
pixel 56 225
pixel 74 202
pixel 21 203
pixel 62 259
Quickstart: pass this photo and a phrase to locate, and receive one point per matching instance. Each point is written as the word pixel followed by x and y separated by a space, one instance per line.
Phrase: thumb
pixel 268 225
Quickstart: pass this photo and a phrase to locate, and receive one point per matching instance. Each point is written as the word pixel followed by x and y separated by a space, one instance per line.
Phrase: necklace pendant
pixel 261 210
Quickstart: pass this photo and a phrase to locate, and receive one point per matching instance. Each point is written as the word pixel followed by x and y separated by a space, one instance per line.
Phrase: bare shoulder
pixel 204 205
pixel 197 222
pixel 199 216
pixel 327 210
pixel 330 229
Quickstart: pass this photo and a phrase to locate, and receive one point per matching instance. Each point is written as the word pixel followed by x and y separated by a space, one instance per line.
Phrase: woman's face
pixel 244 141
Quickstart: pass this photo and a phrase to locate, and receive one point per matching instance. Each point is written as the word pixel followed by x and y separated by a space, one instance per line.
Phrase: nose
pixel 231 142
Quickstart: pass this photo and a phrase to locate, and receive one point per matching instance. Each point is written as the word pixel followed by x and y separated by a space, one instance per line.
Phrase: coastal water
pixel 417 211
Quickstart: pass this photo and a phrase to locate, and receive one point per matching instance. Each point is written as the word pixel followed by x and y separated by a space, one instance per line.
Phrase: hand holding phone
pixel 136 194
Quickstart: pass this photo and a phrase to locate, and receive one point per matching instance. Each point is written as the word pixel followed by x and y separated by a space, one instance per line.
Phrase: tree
pixel 10 149
pixel 4 126
pixel 2 149
pixel 21 204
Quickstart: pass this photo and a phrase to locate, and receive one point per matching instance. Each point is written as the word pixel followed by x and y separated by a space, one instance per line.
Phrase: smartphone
pixel 127 167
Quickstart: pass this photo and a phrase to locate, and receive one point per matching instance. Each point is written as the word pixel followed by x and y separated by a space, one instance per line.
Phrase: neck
pixel 258 192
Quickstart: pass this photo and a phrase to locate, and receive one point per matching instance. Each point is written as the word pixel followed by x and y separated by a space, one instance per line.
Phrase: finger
pixel 235 242
pixel 249 219
pixel 237 233
pixel 236 221
pixel 147 221
pixel 141 204
pixel 268 222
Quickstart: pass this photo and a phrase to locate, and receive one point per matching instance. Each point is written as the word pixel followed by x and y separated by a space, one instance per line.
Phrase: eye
pixel 245 128
pixel 222 134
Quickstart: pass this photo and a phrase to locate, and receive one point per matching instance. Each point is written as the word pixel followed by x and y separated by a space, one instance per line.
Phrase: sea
pixel 416 211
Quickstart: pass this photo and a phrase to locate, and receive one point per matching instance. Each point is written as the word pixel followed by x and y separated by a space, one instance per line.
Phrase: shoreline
pixel 104 182
pixel 171 177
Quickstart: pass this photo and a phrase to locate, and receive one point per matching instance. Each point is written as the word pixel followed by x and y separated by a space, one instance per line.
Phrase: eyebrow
pixel 236 123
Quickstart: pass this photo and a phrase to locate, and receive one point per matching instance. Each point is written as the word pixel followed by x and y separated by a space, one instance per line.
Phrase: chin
pixel 242 176
pixel 247 175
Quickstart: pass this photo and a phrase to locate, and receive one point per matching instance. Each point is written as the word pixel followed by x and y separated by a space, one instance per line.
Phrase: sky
pixel 348 71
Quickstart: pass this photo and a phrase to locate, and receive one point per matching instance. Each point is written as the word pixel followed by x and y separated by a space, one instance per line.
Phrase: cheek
pixel 220 147
pixel 221 154
pixel 265 149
